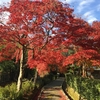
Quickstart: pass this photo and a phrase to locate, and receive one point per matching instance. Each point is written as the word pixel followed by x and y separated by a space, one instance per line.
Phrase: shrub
pixel 87 88
pixel 9 92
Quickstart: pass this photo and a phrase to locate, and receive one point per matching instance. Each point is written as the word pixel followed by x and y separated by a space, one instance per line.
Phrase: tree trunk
pixel 83 71
pixel 19 82
pixel 35 77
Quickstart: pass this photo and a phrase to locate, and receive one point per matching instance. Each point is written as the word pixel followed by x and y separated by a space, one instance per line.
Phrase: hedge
pixel 88 89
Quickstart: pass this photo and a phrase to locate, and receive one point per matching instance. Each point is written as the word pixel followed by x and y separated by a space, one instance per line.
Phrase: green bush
pixel 27 86
pixel 87 88
pixel 9 92
pixel 8 71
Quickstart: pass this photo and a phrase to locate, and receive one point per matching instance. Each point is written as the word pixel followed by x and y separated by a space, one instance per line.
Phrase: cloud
pixel 4 1
pixel 70 1
pixel 83 4
pixel 1 2
pixel 86 9
pixel 98 7
pixel 4 17
pixel 91 19
pixel 89 16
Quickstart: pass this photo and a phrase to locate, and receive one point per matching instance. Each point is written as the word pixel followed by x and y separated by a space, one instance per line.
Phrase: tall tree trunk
pixel 35 77
pixel 19 82
pixel 36 73
pixel 83 71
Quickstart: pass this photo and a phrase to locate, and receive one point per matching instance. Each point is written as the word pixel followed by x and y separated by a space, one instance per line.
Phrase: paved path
pixel 53 91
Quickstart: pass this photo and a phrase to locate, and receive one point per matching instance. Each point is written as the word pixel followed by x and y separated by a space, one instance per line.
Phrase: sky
pixel 88 10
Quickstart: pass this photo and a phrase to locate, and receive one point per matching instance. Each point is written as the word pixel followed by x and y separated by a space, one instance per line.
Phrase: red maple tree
pixel 44 29
pixel 86 38
pixel 30 27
